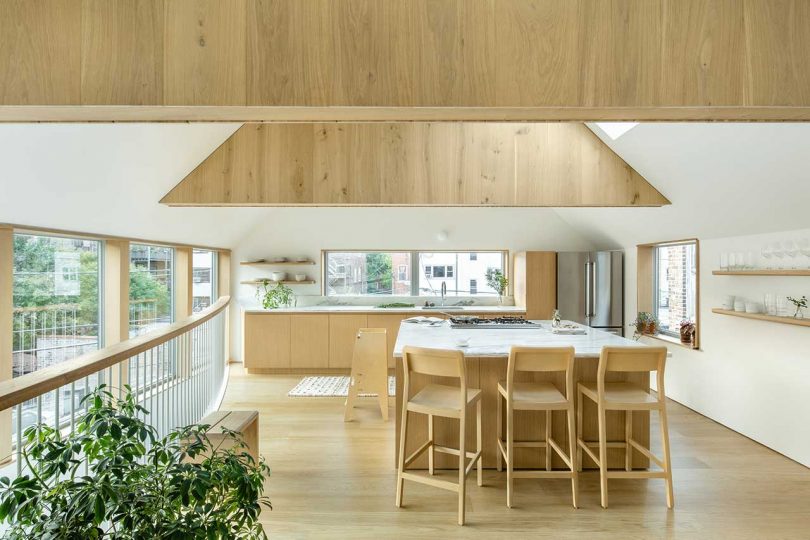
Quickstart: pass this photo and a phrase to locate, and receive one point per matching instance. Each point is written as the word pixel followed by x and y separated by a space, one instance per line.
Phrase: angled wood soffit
pixel 414 164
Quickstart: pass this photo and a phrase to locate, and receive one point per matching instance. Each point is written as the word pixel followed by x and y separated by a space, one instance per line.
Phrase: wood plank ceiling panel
pixel 413 163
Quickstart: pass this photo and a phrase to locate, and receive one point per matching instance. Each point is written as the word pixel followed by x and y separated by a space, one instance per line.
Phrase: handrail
pixel 31 385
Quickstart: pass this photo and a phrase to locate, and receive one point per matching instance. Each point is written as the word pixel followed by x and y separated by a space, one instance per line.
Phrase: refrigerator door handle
pixel 588 291
pixel 592 277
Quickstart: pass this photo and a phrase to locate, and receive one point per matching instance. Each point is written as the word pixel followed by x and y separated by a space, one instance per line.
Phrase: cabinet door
pixel 342 335
pixel 309 342
pixel 266 341
pixel 391 324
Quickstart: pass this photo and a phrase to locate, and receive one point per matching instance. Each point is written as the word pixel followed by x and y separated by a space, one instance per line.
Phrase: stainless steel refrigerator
pixel 590 289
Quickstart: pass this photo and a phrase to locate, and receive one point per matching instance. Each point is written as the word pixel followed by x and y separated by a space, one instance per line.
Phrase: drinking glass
pixel 724 261
pixel 804 248
pixel 732 261
pixel 770 304
pixel 749 260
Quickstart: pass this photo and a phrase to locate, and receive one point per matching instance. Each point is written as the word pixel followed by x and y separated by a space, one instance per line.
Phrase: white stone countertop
pixel 485 342
pixel 373 309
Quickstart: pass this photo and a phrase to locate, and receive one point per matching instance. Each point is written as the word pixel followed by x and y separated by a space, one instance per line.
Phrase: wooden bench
pixel 244 422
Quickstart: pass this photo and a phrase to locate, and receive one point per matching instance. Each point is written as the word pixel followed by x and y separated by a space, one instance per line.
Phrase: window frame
pixel 647 276
pixel 413 272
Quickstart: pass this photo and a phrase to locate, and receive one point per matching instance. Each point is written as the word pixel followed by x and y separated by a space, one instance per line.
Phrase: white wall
pixel 751 376
pixel 294 232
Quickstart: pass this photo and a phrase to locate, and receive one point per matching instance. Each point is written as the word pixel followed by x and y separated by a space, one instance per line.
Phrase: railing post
pixel 6 330
pixel 224 288
pixel 116 303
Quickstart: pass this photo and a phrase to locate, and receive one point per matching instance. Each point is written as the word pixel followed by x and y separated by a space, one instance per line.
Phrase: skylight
pixel 614 130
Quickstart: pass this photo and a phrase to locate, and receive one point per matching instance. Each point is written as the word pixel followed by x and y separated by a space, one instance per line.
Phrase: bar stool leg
pixel 628 434
pixel 580 404
pixel 479 438
pixel 667 458
pixel 403 435
pixel 548 438
pixel 462 458
pixel 499 430
pixel 603 456
pixel 430 450
pixel 510 453
pixel 572 446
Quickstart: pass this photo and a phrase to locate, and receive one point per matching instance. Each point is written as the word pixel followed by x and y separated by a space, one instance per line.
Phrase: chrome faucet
pixel 444 291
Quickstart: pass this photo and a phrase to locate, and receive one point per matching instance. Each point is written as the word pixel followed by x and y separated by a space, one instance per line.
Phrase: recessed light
pixel 614 130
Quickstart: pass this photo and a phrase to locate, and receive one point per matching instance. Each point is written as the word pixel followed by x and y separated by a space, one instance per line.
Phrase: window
pixel 151 299
pixel 56 315
pixel 672 285
pixel 204 287
pixel 379 273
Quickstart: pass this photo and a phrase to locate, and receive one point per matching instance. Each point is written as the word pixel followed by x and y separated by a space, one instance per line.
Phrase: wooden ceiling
pixel 412 163
pixel 404 60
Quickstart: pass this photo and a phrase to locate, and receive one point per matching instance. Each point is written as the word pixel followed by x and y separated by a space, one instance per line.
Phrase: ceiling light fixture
pixel 614 130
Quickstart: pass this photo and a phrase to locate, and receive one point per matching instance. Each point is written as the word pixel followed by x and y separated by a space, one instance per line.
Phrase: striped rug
pixel 331 386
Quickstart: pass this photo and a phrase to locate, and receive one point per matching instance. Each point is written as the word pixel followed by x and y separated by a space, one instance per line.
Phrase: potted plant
pixel 496 280
pixel 687 329
pixel 137 485
pixel 800 304
pixel 646 324
pixel 273 297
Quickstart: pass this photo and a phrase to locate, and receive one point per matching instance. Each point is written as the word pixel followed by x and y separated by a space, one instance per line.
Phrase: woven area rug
pixel 331 386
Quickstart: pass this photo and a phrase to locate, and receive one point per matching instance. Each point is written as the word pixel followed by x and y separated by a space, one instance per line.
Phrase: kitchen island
pixel 486 359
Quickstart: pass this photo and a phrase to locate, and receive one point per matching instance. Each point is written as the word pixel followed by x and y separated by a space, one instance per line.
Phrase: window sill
pixel 671 340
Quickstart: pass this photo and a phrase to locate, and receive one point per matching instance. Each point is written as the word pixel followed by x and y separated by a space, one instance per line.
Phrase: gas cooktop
pixel 495 322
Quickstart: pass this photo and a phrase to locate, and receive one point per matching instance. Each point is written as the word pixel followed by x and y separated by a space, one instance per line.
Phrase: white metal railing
pixel 176 372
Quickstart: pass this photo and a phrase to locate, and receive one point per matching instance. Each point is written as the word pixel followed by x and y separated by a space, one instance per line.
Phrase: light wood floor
pixel 331 479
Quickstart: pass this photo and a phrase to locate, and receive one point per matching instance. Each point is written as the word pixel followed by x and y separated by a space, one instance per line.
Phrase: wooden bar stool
pixel 628 397
pixel 537 396
pixel 369 370
pixel 439 400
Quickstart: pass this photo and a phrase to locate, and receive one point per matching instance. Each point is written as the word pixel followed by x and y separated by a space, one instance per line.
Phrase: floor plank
pixel 332 479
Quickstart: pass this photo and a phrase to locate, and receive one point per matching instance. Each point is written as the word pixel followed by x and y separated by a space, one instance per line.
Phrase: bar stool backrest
pixel 632 359
pixel 541 359
pixel 435 363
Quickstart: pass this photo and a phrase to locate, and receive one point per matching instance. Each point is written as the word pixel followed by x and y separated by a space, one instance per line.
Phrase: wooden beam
pixel 418 164
pixel 116 304
pixel 6 330
pixel 223 262
pixel 183 282
pixel 718 59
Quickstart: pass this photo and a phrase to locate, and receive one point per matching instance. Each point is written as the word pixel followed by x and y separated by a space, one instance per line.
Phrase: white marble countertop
pixel 497 342
pixel 373 309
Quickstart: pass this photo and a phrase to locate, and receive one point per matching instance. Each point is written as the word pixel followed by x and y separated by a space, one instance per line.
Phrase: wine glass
pixel 767 253
pixel 776 250
pixel 791 250
pixel 804 248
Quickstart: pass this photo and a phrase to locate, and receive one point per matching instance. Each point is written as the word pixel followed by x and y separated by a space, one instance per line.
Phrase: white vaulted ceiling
pixel 723 179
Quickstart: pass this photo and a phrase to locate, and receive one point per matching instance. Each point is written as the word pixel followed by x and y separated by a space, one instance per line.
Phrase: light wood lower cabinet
pixel 342 335
pixel 309 341
pixel 266 341
pixel 391 324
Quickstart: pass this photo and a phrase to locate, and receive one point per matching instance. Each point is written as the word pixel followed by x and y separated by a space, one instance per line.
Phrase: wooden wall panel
pixel 205 56
pixel 6 330
pixel 621 55
pixel 40 50
pixel 412 163
pixel 122 52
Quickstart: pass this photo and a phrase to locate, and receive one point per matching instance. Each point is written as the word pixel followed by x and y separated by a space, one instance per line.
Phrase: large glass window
pixel 204 279
pixel 675 278
pixel 56 315
pixel 151 273
pixel 410 273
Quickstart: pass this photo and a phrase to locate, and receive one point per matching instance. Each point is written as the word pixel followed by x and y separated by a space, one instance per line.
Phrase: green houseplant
pixel 496 280
pixel 646 324
pixel 273 297
pixel 137 485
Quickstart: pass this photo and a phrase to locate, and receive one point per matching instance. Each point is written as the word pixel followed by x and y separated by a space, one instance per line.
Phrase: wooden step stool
pixel 369 370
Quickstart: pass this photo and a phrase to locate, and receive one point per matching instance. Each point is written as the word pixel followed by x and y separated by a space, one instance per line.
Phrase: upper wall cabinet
pixel 409 53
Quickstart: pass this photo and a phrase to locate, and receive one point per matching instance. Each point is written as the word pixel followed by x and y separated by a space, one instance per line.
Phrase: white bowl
pixel 739 305
pixel 753 307
pixel 300 277
pixel 279 276
pixel 462 342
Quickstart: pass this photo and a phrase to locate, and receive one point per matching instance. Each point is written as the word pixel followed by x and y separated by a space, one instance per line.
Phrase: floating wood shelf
pixel 763 272
pixel 286 282
pixel 271 263
pixel 762 317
